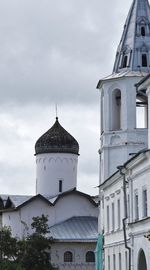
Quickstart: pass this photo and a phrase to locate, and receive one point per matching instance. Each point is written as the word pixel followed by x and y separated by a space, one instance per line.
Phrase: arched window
pixel 144 60
pixel 68 256
pixel 125 60
pixel 115 113
pixel 90 257
pixel 143 31
pixel 142 261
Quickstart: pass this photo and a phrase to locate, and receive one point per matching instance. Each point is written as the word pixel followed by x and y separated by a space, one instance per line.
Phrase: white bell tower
pixel 120 135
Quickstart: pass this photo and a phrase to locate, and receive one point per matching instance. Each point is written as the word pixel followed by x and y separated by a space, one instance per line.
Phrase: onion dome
pixel 56 140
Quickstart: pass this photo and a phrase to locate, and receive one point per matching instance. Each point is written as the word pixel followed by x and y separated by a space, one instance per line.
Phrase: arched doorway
pixel 142 265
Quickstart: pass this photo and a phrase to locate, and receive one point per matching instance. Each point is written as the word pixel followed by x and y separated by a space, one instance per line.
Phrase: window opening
pixel 90 256
pixel 108 262
pixel 114 262
pixel 60 185
pixel 136 206
pixel 107 218
pixel 145 203
pixel 126 259
pixel 144 60
pixel 68 256
pixel 115 113
pixel 118 213
pixel 141 111
pixel 143 31
pixel 125 60
pixel 113 217
pixel 120 262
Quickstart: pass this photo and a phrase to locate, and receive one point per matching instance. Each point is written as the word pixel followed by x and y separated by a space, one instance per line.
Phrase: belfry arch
pixel 142 264
pixel 115 112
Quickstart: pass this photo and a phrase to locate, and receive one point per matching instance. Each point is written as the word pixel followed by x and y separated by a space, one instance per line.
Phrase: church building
pixel 124 155
pixel 72 215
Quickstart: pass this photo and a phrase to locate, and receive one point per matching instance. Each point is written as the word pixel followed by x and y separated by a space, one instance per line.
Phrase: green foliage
pixel 8 244
pixel 31 252
pixel 147 236
pixel 40 225
pixel 7 265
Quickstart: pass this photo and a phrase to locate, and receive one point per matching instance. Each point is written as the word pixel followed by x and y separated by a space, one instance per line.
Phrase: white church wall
pixel 17 219
pixel 79 255
pixel 52 168
pixel 65 208
pixel 116 257
pixel 141 243
pixel 74 205
pixel 113 212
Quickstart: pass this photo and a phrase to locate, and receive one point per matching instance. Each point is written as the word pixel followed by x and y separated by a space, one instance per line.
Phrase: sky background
pixel 53 52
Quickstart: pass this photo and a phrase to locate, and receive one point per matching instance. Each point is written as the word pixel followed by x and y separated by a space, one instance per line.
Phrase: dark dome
pixel 56 140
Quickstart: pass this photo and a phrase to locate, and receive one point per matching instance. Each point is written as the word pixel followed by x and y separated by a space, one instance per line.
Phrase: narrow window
pixel 68 256
pixel 128 206
pixel 120 263
pixel 144 60
pixel 60 185
pixel 113 217
pixel 144 203
pixel 143 31
pixel 114 262
pixel 136 206
pixel 118 204
pixel 108 218
pixel 125 60
pixel 90 257
pixel 108 262
pixel 126 259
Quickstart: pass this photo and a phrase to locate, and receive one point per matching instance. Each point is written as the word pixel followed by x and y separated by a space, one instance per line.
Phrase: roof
pixel 76 228
pixel 122 74
pixel 135 39
pixel 56 140
pixel 14 202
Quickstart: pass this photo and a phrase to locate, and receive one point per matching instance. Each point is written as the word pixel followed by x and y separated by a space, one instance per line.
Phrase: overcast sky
pixel 53 51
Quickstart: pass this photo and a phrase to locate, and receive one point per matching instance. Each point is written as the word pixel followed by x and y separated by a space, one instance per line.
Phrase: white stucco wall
pixel 117 144
pixel 51 168
pixel 66 207
pixel 79 251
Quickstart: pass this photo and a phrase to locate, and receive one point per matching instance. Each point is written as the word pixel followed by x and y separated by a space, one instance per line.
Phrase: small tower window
pixel 125 60
pixel 143 31
pixel 144 60
pixel 60 185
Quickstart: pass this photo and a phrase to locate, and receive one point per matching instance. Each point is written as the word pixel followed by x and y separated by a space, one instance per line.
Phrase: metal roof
pixel 19 199
pixel 16 201
pixel 57 140
pixel 135 39
pixel 76 228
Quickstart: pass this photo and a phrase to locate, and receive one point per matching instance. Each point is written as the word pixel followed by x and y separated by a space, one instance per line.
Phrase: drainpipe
pixel 120 168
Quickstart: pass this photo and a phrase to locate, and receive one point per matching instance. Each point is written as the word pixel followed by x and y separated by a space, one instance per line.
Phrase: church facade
pixel 124 155
pixel 72 215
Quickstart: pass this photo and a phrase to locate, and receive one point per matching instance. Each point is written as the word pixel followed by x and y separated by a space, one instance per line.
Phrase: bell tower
pixel 119 101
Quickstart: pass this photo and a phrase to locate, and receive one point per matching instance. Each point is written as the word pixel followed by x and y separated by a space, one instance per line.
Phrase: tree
pixel 31 252
pixel 35 248
pixel 8 244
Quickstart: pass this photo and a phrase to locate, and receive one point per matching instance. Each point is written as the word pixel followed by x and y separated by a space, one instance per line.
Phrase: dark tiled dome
pixel 56 140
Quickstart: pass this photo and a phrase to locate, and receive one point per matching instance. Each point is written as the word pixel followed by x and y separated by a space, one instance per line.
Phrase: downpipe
pixel 120 168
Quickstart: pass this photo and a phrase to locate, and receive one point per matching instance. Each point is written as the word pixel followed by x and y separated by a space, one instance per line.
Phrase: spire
pixel 133 53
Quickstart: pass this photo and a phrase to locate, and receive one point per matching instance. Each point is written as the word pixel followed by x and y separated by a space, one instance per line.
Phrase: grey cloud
pixel 55 50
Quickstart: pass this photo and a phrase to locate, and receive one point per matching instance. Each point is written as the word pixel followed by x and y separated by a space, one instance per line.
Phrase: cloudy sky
pixel 53 51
